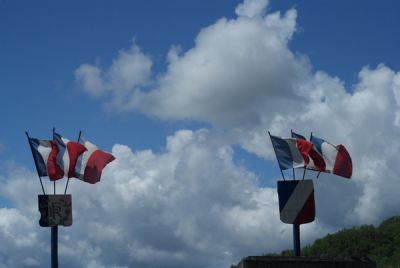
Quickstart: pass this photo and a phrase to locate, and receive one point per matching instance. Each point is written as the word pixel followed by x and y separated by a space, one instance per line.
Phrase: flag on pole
pixel 90 164
pixel 316 162
pixel 291 153
pixel 336 158
pixel 67 155
pixel 297 136
pixel 44 154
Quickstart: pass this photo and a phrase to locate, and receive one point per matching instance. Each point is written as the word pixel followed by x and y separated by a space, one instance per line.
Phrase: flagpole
pixel 66 186
pixel 54 233
pixel 33 155
pixel 304 172
pixel 283 176
pixel 54 246
pixel 296 227
pixel 296 240
pixel 54 182
pixel 291 135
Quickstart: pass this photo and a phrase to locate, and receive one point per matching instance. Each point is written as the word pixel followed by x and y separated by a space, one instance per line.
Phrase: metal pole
pixel 304 173
pixel 296 240
pixel 54 246
pixel 54 240
pixel 291 135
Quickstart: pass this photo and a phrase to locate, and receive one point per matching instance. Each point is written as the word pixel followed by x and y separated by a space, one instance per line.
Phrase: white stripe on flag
pixel 329 153
pixel 66 157
pixel 85 157
pixel 298 160
pixel 44 149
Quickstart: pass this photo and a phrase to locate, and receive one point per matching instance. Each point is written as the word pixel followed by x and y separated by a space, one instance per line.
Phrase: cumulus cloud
pixel 128 72
pixel 242 78
pixel 236 72
pixel 90 79
pixel 189 205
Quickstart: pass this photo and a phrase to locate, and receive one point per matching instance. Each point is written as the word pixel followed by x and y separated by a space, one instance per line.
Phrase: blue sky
pixel 43 43
pixel 178 89
pixel 338 37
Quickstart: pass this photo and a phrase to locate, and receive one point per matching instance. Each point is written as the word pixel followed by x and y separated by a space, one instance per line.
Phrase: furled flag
pixel 91 163
pixel 316 160
pixel 336 158
pixel 44 154
pixel 67 155
pixel 291 153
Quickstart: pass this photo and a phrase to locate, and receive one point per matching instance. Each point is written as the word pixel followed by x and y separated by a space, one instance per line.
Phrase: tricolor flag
pixel 316 162
pixel 336 158
pixel 91 163
pixel 67 155
pixel 291 153
pixel 44 154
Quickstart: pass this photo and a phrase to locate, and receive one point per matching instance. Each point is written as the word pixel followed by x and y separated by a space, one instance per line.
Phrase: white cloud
pixel 234 74
pixel 22 244
pixel 90 78
pixel 243 79
pixel 365 121
pixel 187 206
pixel 236 68
pixel 128 72
pixel 251 8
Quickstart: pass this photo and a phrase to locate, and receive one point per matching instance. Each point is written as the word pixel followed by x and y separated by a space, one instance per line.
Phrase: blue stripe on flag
pixel 78 165
pixel 61 150
pixel 283 153
pixel 37 157
pixel 317 143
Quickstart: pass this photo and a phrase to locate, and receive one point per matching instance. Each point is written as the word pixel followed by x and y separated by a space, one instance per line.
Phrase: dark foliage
pixel 381 244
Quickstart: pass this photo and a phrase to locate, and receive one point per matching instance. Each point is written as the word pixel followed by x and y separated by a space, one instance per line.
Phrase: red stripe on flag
pixel 319 162
pixel 95 164
pixel 53 170
pixel 304 149
pixel 74 151
pixel 343 164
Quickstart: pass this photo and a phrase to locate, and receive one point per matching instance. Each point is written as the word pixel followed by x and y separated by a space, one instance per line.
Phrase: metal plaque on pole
pixel 55 210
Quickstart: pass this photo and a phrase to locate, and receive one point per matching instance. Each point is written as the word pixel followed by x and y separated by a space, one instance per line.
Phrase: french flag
pixel 67 155
pixel 291 153
pixel 316 162
pixel 337 159
pixel 44 154
pixel 91 163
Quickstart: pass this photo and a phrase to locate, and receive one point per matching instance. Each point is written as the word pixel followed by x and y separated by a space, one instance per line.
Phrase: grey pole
pixel 54 240
pixel 54 246
pixel 296 240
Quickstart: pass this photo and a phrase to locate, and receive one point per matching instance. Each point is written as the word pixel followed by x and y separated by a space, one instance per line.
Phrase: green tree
pixel 381 244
